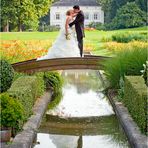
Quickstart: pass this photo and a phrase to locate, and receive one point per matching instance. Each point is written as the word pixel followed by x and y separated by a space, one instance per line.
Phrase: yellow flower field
pixel 18 50
pixel 115 47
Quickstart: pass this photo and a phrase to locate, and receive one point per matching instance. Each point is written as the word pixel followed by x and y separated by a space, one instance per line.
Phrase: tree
pixel 128 16
pixel 110 7
pixel 24 12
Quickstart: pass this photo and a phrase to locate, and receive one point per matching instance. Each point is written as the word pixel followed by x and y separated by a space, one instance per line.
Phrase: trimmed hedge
pixel 26 89
pixel 135 99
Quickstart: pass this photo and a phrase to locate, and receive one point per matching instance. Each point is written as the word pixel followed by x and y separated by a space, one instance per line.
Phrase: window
pixel 57 16
pixel 87 16
pixel 96 16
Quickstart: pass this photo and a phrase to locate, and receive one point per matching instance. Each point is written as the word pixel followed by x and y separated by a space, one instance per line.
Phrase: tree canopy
pixel 23 13
pixel 111 8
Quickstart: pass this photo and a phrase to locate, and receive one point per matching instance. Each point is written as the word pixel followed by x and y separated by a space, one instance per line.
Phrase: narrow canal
pixel 84 118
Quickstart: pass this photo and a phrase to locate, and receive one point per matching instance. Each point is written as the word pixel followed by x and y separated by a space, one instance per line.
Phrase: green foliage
pixel 6 75
pixel 54 80
pixel 129 16
pixel 25 14
pixel 127 62
pixel 145 72
pixel 135 99
pixel 26 89
pixel 17 75
pixel 41 83
pixel 56 99
pixel 111 7
pixel 98 26
pixel 128 37
pixel 49 28
pixel 11 112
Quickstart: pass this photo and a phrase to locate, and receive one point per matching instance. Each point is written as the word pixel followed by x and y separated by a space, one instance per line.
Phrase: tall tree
pixel 110 7
pixel 24 12
pixel 128 16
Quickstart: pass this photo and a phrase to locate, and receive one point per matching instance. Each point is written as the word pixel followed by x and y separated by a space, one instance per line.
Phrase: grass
pixel 93 38
pixel 127 62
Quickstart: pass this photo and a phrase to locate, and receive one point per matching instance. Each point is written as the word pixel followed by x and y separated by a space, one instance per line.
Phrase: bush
pixel 54 80
pixel 96 25
pixel 11 112
pixel 135 99
pixel 128 37
pixel 127 62
pixel 26 89
pixel 6 75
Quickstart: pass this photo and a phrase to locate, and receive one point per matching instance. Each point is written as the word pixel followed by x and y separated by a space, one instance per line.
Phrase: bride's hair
pixel 69 12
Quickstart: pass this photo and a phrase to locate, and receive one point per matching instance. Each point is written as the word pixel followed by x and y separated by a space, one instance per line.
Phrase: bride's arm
pixel 67 25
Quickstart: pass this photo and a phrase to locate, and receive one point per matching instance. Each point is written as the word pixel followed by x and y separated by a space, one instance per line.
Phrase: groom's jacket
pixel 79 25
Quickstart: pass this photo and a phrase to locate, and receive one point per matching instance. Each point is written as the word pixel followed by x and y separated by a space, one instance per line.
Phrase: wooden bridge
pixel 87 62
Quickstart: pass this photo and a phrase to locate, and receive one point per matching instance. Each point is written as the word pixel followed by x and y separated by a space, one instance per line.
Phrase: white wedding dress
pixel 62 47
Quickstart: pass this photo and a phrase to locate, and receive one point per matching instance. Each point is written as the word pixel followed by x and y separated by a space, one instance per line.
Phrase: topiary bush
pixel 11 112
pixel 6 75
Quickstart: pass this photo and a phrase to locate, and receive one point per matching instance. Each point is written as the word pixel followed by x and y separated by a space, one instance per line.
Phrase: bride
pixel 66 44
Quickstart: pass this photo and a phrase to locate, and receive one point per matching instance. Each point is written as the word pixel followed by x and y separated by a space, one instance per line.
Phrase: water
pixel 84 118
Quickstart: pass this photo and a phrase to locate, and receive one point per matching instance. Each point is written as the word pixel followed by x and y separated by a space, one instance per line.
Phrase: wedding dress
pixel 62 47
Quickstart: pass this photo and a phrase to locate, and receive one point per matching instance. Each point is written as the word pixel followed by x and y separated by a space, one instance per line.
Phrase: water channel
pixel 84 118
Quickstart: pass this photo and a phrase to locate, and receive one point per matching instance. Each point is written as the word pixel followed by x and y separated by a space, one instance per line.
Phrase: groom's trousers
pixel 80 45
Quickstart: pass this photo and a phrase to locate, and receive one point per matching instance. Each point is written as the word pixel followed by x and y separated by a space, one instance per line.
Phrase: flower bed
pixel 117 47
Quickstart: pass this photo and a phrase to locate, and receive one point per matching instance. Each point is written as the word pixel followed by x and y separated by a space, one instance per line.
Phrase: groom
pixel 79 25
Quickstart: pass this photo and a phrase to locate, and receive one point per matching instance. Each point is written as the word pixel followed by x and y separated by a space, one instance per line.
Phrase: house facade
pixel 92 10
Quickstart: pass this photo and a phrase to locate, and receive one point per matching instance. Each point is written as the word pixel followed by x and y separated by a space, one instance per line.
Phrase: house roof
pixel 76 2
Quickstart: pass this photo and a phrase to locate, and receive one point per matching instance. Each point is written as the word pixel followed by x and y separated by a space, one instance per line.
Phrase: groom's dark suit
pixel 79 25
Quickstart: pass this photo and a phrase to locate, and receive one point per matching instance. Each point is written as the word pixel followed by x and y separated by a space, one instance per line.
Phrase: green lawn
pixel 93 38
pixel 90 35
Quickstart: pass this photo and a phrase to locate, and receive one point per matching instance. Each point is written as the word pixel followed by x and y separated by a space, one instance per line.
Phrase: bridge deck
pixel 87 62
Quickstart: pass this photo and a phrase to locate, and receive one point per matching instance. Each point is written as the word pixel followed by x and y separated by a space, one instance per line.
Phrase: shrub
pixel 127 62
pixel 11 112
pixel 54 80
pixel 96 25
pixel 26 89
pixel 127 37
pixel 135 99
pixel 6 75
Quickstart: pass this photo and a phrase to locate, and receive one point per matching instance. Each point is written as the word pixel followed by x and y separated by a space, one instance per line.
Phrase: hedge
pixel 26 89
pixel 135 99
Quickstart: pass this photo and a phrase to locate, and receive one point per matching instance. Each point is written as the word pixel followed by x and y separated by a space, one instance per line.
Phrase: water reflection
pixel 81 97
pixel 84 118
